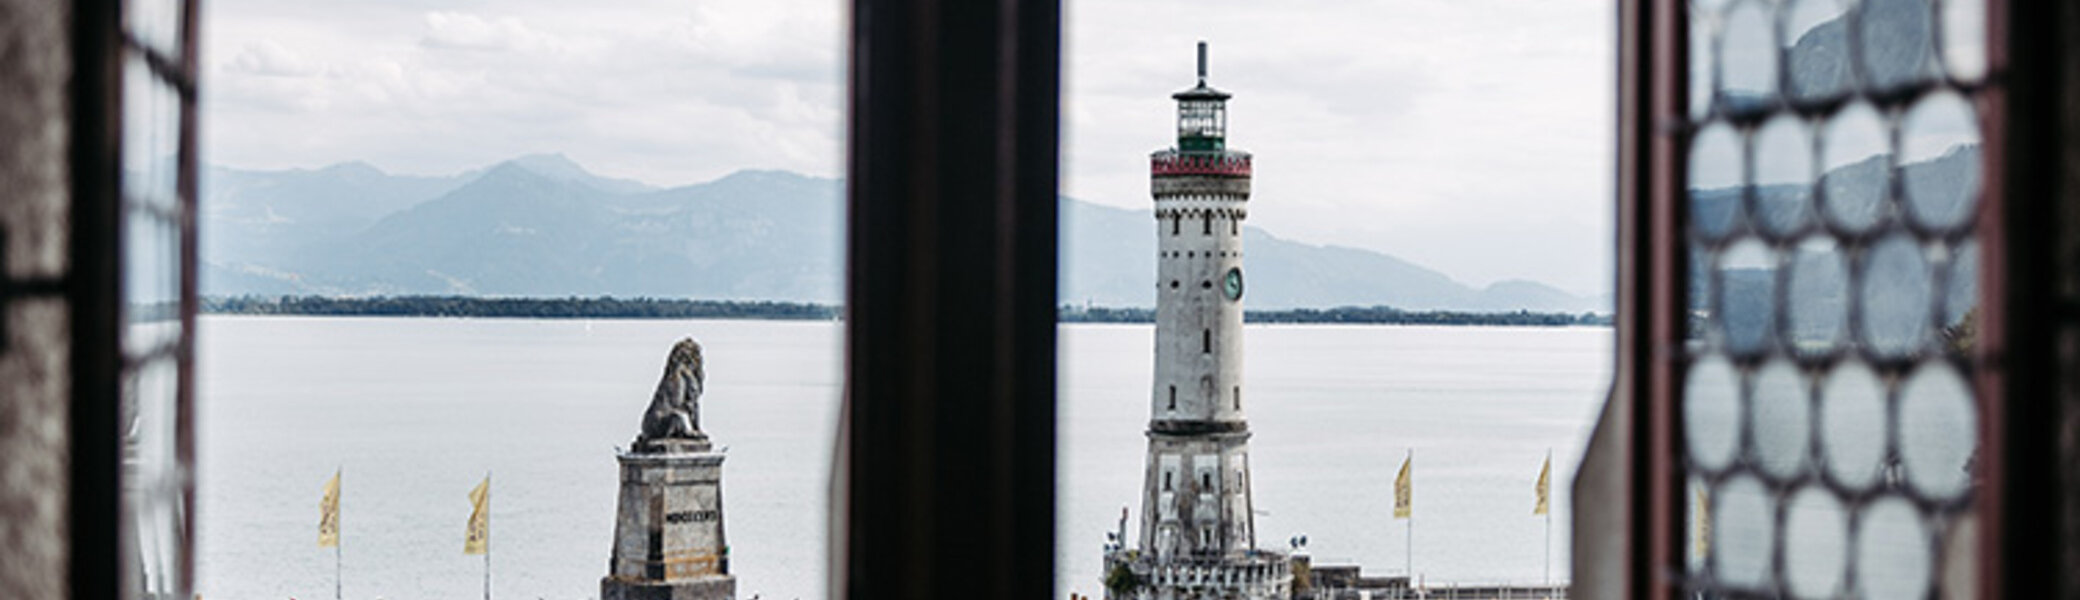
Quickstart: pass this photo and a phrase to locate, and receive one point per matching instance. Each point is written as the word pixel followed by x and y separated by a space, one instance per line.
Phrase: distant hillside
pixel 571 307
pixel 543 226
pixel 1108 259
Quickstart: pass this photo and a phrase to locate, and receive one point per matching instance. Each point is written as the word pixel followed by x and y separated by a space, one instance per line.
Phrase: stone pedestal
pixel 668 539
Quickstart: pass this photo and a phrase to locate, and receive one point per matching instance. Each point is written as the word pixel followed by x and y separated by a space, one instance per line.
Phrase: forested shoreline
pixel 607 307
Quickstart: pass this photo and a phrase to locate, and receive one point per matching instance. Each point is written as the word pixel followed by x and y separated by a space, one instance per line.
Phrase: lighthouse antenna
pixel 1202 62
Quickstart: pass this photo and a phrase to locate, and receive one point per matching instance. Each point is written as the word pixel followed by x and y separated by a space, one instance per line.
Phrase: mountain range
pixel 542 225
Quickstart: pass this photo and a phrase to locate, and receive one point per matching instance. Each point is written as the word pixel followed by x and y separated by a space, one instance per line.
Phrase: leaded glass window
pixel 1829 419
pixel 157 237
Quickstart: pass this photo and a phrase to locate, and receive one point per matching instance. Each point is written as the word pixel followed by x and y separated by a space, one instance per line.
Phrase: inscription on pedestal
pixel 694 516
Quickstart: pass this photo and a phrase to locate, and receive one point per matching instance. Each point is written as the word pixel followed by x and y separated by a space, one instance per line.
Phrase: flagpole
pixel 336 552
pixel 1410 555
pixel 487 535
pixel 1549 524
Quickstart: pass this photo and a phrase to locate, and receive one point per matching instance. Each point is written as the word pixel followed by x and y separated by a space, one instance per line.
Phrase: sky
pixel 1470 136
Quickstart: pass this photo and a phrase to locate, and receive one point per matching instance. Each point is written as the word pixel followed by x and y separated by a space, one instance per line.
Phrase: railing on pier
pixel 1469 592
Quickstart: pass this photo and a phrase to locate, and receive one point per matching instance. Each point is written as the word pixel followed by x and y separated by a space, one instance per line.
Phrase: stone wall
pixel 35 66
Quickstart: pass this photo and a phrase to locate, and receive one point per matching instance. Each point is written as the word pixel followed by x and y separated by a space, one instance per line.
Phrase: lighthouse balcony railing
pixel 1222 163
pixel 1252 570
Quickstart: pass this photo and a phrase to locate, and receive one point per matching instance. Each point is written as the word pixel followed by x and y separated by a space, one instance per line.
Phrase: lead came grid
pixel 1833 174
pixel 158 210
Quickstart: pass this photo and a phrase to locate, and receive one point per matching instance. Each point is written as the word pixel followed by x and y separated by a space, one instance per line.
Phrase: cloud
pixel 472 32
pixel 651 90
pixel 1471 135
pixel 271 58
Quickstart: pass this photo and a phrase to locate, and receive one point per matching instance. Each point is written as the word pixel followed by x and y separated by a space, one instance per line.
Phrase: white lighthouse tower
pixel 1197 534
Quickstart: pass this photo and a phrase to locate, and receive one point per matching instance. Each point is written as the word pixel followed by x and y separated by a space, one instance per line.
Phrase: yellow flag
pixel 328 514
pixel 479 540
pixel 1404 490
pixel 1545 486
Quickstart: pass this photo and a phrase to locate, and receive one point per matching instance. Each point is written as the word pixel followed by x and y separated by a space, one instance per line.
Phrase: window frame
pixel 95 301
pixel 944 477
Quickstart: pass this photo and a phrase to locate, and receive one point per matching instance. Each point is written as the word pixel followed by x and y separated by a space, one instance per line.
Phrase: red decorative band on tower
pixel 1170 162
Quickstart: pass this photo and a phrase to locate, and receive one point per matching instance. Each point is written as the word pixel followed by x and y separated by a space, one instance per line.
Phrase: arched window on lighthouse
pixel 1173 397
pixel 1206 341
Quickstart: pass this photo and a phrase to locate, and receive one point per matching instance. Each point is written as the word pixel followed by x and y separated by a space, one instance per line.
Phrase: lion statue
pixel 675 409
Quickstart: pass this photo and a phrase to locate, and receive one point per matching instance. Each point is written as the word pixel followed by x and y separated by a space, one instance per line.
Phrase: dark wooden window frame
pixel 95 300
pixel 944 485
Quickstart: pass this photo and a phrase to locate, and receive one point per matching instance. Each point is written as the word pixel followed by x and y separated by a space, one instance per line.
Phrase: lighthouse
pixel 1197 533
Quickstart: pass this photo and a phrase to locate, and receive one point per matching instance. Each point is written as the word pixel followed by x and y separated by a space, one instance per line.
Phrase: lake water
pixel 417 411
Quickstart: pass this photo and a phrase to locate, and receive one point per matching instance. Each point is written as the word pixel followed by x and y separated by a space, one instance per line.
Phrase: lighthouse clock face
pixel 1232 284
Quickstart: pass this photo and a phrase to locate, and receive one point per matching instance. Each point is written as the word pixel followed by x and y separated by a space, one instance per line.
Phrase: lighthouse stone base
pixel 668 537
